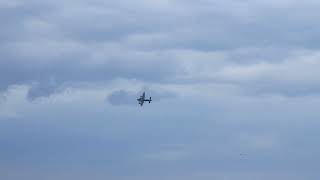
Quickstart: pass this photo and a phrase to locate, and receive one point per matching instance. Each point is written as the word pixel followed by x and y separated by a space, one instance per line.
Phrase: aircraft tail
pixel 150 100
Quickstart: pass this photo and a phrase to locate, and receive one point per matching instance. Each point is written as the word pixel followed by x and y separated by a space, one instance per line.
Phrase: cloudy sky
pixel 235 83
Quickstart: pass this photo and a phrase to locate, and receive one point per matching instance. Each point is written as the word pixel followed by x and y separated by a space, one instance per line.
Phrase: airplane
pixel 142 99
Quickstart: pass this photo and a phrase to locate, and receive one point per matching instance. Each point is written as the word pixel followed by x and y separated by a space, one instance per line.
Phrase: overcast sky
pixel 235 84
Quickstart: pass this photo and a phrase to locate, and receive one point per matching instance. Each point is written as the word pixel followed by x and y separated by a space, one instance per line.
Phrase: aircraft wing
pixel 142 99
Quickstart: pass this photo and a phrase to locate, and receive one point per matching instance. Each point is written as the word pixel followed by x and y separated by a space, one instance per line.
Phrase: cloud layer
pixel 101 41
pixel 235 86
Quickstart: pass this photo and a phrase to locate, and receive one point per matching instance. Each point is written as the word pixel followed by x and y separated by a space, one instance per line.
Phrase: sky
pixel 235 87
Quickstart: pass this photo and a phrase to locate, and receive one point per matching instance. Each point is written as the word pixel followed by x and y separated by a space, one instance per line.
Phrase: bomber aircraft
pixel 142 99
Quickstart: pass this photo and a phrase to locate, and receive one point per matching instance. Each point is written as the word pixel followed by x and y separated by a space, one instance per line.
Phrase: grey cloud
pixel 99 41
pixel 2 97
pixel 160 94
pixel 53 57
pixel 41 90
pixel 122 97
pixel 14 16
pixel 297 89
pixel 241 24
pixel 72 71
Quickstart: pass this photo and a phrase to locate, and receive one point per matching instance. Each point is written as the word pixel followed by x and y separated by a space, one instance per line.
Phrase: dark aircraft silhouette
pixel 142 99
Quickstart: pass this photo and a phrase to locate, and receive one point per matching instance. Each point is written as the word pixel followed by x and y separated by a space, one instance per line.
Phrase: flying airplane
pixel 142 99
